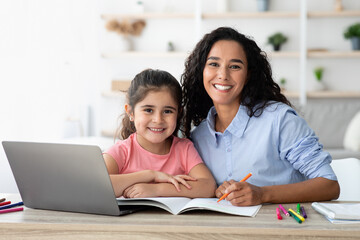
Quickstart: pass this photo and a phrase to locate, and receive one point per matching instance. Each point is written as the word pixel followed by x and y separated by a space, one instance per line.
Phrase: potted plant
pixel 276 40
pixel 353 33
pixel 126 29
pixel 318 73
pixel 282 83
pixel 263 5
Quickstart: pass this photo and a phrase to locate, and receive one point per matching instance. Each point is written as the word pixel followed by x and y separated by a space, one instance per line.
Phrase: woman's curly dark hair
pixel 259 91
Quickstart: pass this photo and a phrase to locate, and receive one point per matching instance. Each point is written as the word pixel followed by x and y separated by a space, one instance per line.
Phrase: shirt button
pixel 228 149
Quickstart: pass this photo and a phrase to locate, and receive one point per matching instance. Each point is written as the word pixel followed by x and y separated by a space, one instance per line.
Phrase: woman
pixel 244 124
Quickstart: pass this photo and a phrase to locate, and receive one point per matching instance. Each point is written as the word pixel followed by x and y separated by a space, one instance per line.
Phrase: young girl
pixel 244 124
pixel 152 161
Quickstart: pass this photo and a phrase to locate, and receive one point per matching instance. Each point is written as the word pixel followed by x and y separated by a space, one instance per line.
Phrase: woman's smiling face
pixel 225 72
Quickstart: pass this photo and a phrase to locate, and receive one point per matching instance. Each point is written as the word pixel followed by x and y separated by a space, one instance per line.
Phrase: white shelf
pixel 323 94
pixel 279 54
pixel 268 14
pixel 346 13
pixel 271 54
pixel 149 15
pixel 157 15
pixel 145 54
pixel 283 54
pixel 333 54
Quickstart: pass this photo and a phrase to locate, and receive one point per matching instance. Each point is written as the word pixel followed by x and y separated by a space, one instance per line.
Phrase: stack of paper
pixel 339 212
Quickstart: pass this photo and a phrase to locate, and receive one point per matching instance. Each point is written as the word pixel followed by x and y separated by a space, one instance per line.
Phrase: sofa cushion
pixel 329 118
pixel 339 153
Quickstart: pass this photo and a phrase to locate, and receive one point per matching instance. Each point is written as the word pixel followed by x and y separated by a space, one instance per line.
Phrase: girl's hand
pixel 243 194
pixel 161 177
pixel 141 190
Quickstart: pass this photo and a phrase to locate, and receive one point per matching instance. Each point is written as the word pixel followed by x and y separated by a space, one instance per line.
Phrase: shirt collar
pixel 237 126
pixel 211 123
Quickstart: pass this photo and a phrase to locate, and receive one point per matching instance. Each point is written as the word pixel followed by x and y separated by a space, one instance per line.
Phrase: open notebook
pixel 178 205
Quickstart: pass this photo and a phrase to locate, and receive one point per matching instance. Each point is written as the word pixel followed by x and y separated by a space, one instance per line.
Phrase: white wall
pixel 51 69
pixel 49 60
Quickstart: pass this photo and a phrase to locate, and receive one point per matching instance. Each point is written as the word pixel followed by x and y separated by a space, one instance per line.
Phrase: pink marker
pixel 11 210
pixel 284 211
pixel 278 214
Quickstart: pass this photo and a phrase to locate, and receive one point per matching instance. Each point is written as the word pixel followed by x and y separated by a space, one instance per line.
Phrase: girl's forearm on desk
pixel 122 181
pixel 201 188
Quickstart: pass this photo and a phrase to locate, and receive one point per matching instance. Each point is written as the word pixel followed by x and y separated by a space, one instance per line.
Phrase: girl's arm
pixel 120 182
pixel 245 194
pixel 204 186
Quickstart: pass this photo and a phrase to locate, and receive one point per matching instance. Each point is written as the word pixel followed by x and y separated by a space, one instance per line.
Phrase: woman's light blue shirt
pixel 278 147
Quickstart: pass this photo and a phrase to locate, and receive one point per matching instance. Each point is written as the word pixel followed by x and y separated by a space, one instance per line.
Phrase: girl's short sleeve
pixel 119 152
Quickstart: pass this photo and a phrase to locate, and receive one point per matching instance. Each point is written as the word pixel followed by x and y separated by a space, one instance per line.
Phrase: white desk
pixel 159 224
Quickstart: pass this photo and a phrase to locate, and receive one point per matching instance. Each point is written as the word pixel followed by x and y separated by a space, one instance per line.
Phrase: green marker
pixel 298 209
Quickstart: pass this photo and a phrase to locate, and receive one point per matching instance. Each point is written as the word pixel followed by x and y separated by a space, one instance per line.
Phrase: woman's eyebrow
pixel 232 60
pixel 237 60
pixel 213 58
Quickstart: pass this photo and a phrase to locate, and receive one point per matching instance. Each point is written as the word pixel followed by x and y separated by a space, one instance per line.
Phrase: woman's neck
pixel 225 115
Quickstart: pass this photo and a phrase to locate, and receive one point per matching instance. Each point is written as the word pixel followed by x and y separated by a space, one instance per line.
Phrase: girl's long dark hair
pixel 144 82
pixel 259 91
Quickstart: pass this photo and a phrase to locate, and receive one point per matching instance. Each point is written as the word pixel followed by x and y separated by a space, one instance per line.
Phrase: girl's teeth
pixel 156 129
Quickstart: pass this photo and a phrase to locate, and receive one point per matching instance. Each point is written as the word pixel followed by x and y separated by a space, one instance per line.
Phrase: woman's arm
pixel 204 186
pixel 245 194
pixel 120 182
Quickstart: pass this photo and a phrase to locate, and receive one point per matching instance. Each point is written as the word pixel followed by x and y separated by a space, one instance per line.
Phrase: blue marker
pixel 12 205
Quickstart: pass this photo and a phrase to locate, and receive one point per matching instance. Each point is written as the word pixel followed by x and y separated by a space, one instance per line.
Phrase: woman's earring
pixel 130 117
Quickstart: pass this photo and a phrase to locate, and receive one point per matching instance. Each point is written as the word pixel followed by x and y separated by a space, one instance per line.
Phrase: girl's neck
pixel 162 148
pixel 225 115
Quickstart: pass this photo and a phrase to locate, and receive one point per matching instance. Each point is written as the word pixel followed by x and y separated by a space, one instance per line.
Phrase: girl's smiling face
pixel 155 119
pixel 225 72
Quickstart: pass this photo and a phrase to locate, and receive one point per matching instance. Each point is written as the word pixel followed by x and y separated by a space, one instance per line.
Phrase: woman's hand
pixel 161 177
pixel 221 189
pixel 240 193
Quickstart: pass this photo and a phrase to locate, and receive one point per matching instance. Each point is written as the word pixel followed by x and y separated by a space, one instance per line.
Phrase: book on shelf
pixel 339 212
pixel 178 205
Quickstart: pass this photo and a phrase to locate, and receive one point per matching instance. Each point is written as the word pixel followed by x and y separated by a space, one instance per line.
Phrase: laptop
pixel 63 177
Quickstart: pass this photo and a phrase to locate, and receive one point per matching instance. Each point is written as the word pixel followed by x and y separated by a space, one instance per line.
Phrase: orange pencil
pixel 242 180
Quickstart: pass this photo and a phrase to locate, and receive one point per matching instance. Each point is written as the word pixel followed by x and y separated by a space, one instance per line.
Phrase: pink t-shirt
pixel 131 157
